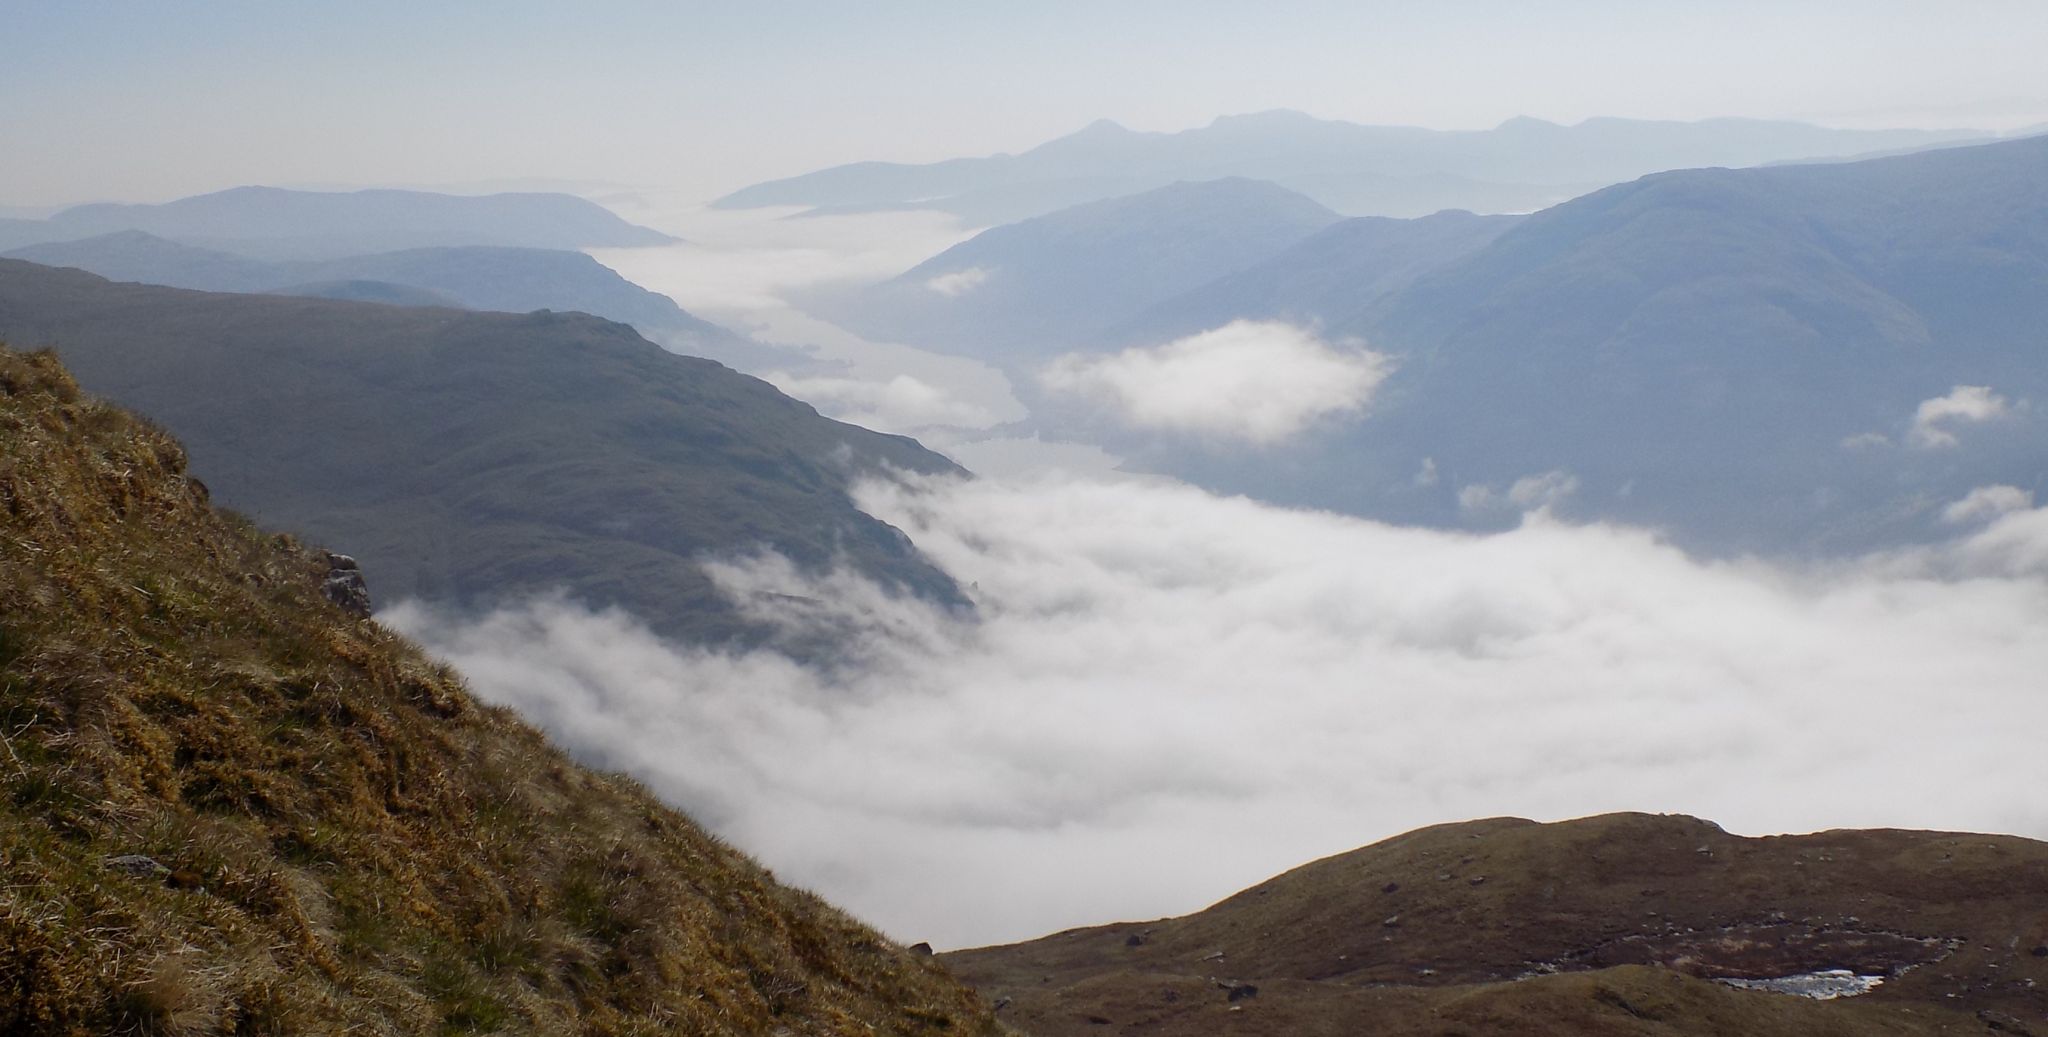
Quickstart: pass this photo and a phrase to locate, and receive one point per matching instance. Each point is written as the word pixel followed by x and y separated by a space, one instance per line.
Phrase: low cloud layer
pixel 1171 695
pixel 1257 381
pixel 899 402
pixel 741 269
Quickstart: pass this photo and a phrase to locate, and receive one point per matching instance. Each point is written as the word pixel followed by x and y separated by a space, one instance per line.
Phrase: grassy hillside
pixel 228 806
pixel 1608 925
pixel 473 457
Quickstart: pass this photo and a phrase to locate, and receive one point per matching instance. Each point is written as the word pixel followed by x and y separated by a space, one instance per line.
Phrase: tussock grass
pixel 347 841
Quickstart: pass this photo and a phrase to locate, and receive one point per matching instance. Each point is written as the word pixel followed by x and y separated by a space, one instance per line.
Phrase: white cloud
pixel 1259 381
pixel 732 263
pixel 1934 420
pixel 1986 502
pixel 1009 456
pixel 1171 695
pixel 743 269
pixel 1530 493
pixel 959 282
pixel 898 403
pixel 1544 490
pixel 1866 440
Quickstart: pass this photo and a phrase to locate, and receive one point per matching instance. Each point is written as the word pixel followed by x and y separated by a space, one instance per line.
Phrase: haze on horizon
pixel 147 103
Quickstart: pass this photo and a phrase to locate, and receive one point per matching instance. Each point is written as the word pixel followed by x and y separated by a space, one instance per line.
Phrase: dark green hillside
pixel 472 457
pixel 477 277
pixel 229 807
pixel 1607 925
pixel 370 291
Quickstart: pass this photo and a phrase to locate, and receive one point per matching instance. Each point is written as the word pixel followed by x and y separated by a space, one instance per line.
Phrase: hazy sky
pixel 147 101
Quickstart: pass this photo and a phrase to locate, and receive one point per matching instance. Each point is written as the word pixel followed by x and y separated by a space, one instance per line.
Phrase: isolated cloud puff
pixel 1542 491
pixel 959 282
pixel 1537 492
pixel 1257 381
pixel 1168 696
pixel 1934 420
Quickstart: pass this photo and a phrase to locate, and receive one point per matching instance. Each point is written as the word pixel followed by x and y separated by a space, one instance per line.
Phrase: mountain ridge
pixel 475 458
pixel 1487 170
pixel 1735 357
pixel 1025 290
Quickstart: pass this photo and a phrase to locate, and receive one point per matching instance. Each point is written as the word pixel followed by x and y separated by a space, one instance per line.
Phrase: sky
pixel 144 101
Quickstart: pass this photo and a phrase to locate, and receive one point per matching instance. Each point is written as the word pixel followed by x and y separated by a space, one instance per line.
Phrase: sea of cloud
pixel 1168 695
pixel 740 268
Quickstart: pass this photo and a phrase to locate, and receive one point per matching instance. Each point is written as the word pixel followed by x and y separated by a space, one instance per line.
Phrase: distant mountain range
pixel 272 223
pixel 1020 293
pixel 1521 165
pixel 469 458
pixel 477 277
pixel 1625 924
pixel 1739 357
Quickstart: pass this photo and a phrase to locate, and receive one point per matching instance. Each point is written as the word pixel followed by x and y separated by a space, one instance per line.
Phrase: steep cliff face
pixel 232 806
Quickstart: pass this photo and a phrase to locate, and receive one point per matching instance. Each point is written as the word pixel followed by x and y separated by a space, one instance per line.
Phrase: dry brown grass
pixel 352 843
pixel 1616 924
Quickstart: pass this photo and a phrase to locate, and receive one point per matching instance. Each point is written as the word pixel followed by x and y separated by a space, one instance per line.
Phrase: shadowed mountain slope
pixel 477 277
pixel 1608 925
pixel 1333 277
pixel 1737 356
pixel 273 223
pixel 1029 290
pixel 233 807
pixel 468 458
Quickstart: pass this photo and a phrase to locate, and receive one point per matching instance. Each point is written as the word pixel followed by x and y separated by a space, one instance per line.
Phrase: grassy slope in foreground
pixel 346 840
pixel 1606 925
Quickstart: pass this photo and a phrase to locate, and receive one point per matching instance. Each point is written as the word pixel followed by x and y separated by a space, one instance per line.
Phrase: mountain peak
pixel 1271 117
pixel 1527 124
